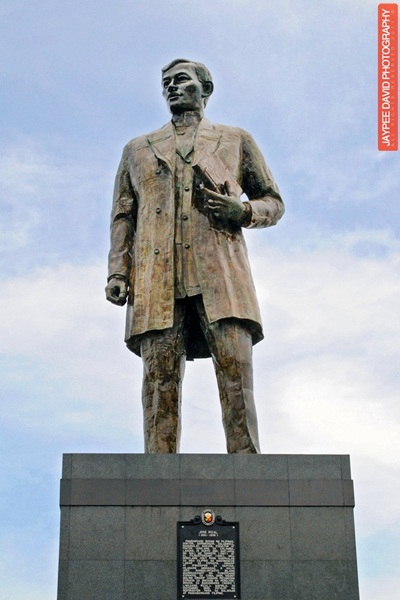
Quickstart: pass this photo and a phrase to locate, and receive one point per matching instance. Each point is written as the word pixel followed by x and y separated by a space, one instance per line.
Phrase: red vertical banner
pixel 388 77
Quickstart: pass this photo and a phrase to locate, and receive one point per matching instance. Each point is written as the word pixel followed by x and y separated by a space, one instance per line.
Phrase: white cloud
pixel 384 588
pixel 332 295
pixel 70 345
pixel 18 576
pixel 50 198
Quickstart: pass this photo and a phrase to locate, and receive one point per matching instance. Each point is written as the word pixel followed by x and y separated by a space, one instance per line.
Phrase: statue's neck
pixel 190 118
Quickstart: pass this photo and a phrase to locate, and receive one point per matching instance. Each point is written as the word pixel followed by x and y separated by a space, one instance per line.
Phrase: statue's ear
pixel 208 89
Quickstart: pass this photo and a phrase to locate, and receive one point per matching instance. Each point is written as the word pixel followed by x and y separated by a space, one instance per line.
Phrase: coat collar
pixel 162 142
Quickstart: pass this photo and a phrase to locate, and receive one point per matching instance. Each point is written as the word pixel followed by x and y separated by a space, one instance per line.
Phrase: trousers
pixel 164 357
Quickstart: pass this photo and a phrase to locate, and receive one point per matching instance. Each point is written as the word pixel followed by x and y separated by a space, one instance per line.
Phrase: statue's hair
pixel 202 72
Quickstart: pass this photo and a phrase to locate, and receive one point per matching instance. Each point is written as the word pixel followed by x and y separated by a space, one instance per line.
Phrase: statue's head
pixel 187 85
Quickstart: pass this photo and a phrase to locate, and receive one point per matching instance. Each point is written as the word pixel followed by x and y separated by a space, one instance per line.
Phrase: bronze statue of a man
pixel 178 257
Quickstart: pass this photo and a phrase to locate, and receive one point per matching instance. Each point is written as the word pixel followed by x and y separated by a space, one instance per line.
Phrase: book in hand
pixel 214 175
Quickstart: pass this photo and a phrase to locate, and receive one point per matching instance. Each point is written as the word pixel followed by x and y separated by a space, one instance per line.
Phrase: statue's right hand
pixel 117 291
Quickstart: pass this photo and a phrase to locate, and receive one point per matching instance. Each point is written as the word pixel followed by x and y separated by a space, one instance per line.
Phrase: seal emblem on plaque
pixel 208 517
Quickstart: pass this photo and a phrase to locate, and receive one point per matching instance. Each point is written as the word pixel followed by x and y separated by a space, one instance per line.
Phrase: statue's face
pixel 182 89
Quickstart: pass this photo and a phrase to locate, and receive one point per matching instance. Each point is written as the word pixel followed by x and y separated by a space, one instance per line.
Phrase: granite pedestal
pixel 119 514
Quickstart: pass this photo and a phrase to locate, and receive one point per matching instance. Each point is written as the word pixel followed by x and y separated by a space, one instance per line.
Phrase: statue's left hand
pixel 225 206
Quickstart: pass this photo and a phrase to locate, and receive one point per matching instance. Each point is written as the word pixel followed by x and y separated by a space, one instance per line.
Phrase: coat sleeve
pixel 258 184
pixel 122 226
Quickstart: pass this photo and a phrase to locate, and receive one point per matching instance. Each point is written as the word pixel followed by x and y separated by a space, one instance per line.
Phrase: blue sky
pixel 80 79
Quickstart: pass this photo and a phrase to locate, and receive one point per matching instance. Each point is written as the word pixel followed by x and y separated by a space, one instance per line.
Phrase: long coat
pixel 143 226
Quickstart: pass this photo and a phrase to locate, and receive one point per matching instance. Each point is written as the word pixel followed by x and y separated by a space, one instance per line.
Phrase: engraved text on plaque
pixel 208 560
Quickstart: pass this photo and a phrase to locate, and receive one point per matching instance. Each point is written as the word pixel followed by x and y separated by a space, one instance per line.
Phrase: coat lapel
pixel 162 144
pixel 207 142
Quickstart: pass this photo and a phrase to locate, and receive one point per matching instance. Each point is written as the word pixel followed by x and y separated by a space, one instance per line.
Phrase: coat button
pixel 187 246
pixel 156 251
pixel 188 161
pixel 185 217
pixel 187 188
pixel 158 210
pixel 158 172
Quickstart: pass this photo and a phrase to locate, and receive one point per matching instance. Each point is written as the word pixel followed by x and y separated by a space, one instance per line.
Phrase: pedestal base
pixel 119 515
